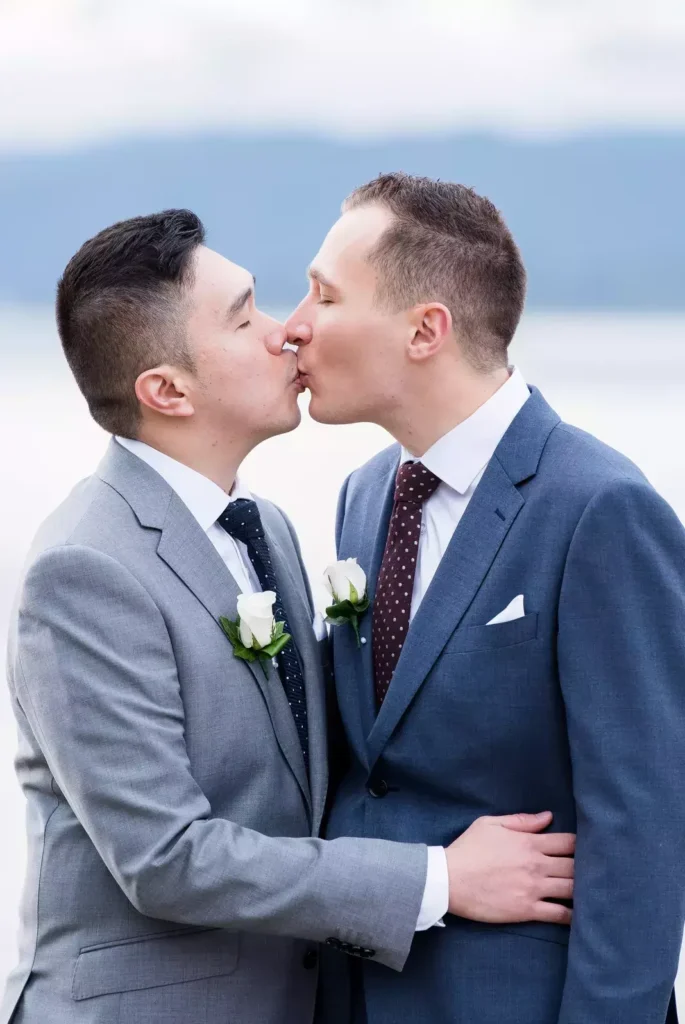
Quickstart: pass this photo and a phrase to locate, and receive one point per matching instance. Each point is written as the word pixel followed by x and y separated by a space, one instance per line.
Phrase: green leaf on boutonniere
pixel 276 645
pixel 262 654
pixel 245 653
pixel 231 630
pixel 346 577
pixel 348 611
pixel 340 612
pixel 278 631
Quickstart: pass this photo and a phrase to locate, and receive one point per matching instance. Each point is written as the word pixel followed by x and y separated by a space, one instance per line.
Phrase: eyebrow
pixel 241 299
pixel 316 275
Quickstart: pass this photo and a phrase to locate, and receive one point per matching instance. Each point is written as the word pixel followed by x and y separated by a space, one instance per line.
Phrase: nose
pixel 300 334
pixel 299 331
pixel 275 340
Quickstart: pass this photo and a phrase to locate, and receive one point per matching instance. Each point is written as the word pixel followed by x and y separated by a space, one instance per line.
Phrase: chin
pixel 329 414
pixel 290 422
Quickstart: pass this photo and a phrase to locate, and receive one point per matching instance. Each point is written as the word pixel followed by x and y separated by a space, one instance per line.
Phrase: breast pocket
pixel 506 665
pixel 502 634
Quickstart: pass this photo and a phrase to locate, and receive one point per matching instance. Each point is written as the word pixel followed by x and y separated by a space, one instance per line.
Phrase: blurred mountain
pixel 600 220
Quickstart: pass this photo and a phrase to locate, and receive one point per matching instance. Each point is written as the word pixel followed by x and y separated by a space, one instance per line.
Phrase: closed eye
pixel 242 326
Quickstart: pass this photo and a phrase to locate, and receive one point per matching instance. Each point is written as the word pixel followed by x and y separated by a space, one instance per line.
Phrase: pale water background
pixel 623 379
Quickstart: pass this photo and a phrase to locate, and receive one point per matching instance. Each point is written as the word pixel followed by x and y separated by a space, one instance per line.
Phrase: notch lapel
pixel 470 554
pixel 186 549
pixel 364 538
pixel 300 619
pixel 486 522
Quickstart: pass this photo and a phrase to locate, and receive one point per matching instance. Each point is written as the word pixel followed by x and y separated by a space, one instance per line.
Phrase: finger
pixel 552 913
pixel 557 888
pixel 556 844
pixel 559 867
pixel 524 822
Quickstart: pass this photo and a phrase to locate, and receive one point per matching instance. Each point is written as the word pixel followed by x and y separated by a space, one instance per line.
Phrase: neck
pixel 431 407
pixel 217 457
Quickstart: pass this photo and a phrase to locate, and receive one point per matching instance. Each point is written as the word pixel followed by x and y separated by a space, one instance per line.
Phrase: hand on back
pixel 502 870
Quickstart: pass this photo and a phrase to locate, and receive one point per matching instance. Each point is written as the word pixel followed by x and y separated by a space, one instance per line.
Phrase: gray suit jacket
pixel 174 876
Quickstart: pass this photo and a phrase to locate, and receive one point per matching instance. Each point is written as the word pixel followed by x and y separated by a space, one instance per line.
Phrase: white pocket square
pixel 514 610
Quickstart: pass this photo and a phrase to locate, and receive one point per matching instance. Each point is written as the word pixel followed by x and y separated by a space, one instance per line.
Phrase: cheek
pixel 342 342
pixel 227 370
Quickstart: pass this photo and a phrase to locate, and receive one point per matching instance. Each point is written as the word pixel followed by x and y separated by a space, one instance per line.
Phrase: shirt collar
pixel 205 499
pixel 459 456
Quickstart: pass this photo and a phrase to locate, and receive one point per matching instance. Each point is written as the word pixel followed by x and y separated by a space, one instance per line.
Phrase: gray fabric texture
pixel 174 872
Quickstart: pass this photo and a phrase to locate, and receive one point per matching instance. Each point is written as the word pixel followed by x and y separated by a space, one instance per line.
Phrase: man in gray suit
pixel 175 791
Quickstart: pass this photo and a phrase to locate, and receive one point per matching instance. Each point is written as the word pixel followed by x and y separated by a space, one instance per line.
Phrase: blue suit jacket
pixel 579 708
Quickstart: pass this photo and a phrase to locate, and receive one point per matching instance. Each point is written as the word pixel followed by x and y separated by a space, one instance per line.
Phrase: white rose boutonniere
pixel 345 581
pixel 255 635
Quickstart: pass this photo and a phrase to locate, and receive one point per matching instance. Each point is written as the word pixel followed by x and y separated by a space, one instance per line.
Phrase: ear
pixel 164 389
pixel 432 326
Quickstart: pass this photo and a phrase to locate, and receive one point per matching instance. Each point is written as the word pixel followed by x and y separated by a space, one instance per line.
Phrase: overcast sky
pixel 76 70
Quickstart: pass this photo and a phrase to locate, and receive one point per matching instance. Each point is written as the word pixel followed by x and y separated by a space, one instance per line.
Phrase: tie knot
pixel 242 520
pixel 415 483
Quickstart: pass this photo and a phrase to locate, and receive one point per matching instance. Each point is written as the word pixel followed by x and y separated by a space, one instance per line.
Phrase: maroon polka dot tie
pixel 392 603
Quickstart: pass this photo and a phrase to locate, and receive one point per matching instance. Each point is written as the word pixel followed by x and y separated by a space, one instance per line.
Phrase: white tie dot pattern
pixel 243 521
pixel 392 603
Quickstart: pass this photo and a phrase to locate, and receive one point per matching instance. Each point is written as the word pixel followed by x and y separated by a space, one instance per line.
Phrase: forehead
pixel 351 238
pixel 216 278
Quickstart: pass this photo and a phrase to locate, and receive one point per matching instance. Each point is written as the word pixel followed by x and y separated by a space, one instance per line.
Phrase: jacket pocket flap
pixel 150 961
pixel 502 634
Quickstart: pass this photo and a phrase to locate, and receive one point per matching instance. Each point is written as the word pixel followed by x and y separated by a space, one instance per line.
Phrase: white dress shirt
pixel 206 501
pixel 459 459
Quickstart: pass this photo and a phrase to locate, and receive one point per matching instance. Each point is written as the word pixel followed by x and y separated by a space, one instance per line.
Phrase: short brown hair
pixel 120 310
pixel 449 245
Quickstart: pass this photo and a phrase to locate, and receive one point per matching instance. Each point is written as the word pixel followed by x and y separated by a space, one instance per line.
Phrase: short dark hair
pixel 120 310
pixel 449 245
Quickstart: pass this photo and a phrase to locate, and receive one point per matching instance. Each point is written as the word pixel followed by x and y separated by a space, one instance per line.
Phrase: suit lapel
pixel 189 553
pixel 489 516
pixel 364 539
pixel 300 620
pixel 477 539
pixel 186 549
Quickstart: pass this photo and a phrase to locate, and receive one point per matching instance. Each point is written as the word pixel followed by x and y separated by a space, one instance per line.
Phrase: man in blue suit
pixel 525 641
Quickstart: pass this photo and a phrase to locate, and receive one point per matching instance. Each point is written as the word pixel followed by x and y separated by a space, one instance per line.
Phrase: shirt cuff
pixel 436 894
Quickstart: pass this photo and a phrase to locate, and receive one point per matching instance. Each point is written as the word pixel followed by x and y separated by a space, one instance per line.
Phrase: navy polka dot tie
pixel 243 521
pixel 392 603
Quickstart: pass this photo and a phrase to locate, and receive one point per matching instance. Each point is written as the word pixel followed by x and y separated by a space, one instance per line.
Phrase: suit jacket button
pixel 379 789
pixel 310 960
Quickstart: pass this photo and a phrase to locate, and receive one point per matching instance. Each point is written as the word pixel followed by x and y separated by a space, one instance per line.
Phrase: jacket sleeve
pixel 97 680
pixel 621 653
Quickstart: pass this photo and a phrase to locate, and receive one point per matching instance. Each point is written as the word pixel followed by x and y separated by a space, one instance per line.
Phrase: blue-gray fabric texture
pixel 577 708
pixel 174 874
